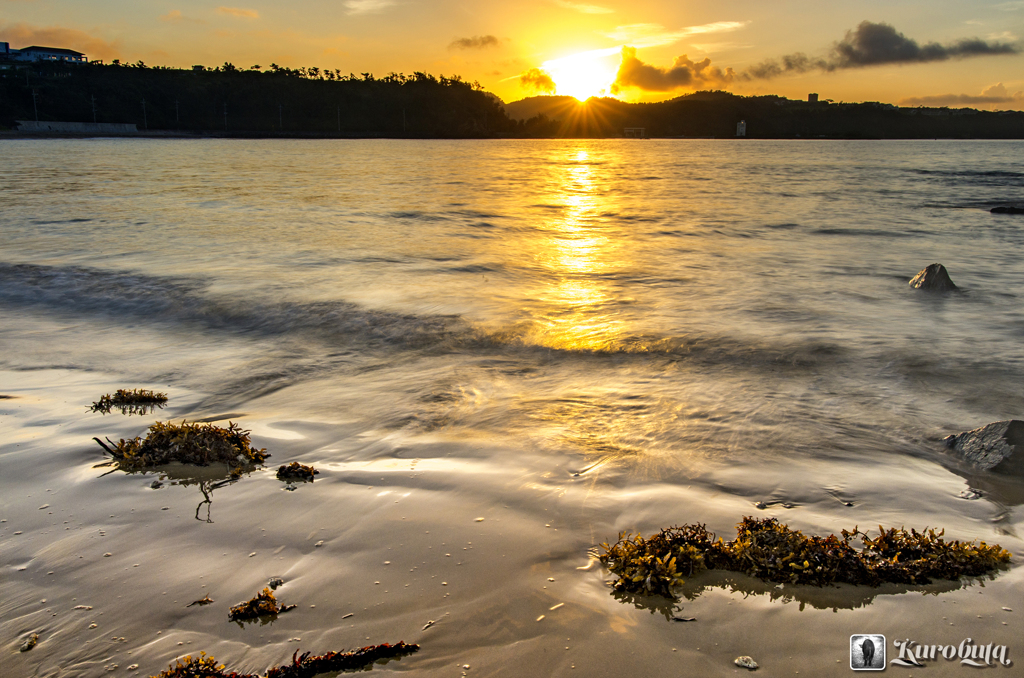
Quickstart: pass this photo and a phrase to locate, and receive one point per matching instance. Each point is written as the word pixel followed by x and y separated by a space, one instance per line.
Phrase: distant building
pixel 741 128
pixel 634 132
pixel 36 53
pixel 812 98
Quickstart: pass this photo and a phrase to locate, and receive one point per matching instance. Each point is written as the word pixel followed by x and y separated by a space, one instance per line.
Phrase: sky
pixel 906 52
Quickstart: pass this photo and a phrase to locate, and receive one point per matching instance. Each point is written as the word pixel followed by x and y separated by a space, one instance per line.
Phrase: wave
pixel 185 303
pixel 179 301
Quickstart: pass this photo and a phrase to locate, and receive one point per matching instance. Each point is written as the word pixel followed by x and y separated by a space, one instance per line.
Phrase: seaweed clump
pixel 297 471
pixel 770 551
pixel 304 666
pixel 199 444
pixel 134 401
pixel 263 604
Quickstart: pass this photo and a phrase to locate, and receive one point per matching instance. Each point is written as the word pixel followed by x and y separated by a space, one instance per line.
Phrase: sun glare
pixel 584 75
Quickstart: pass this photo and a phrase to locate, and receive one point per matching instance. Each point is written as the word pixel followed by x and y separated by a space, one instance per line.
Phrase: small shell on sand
pixel 745 662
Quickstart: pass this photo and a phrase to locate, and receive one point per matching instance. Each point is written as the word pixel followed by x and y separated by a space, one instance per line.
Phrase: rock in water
pixel 934 279
pixel 993 446
pixel 1007 210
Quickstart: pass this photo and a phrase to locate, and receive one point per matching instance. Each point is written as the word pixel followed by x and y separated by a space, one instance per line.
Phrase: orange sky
pixel 931 52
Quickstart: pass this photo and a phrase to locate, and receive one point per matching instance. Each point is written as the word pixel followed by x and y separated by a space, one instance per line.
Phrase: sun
pixel 585 74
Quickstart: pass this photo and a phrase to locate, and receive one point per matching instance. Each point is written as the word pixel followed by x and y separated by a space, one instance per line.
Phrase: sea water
pixel 586 336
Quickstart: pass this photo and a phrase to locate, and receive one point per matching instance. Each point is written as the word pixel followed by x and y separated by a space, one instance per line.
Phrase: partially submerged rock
pixel 29 643
pixel 263 604
pixel 933 278
pixel 745 662
pixel 133 401
pixel 199 444
pixel 770 551
pixel 996 447
pixel 297 471
pixel 1007 209
pixel 306 665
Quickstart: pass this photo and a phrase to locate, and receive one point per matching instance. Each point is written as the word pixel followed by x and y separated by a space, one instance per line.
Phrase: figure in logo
pixel 867 648
pixel 867 652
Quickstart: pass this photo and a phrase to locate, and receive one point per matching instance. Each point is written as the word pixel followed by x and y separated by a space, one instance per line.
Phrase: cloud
pixel 58 36
pixel 1011 6
pixel 537 80
pixel 367 6
pixel 239 12
pixel 654 35
pixel 872 44
pixel 989 97
pixel 176 17
pixel 682 73
pixel 586 9
pixel 476 42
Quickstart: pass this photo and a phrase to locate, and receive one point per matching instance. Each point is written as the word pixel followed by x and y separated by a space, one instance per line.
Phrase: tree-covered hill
pixel 715 114
pixel 277 101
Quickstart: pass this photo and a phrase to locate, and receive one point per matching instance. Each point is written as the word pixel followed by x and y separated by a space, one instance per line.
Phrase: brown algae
pixel 771 551
pixel 133 401
pixel 297 471
pixel 301 666
pixel 197 443
pixel 263 604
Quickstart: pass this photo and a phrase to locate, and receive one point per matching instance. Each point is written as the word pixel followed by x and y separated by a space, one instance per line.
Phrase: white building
pixel 36 53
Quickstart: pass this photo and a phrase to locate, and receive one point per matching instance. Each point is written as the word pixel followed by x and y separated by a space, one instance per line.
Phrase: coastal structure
pixel 86 128
pixel 741 128
pixel 36 53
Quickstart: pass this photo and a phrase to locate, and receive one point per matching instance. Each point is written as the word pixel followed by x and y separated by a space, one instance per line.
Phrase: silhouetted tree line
pixel 280 101
pixel 274 101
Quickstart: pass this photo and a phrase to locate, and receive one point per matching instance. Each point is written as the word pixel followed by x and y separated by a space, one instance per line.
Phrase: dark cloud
pixel 872 44
pixel 882 44
pixel 537 80
pixel 682 73
pixel 476 42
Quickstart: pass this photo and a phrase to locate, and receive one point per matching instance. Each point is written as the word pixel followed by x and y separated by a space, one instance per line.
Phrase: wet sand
pixel 487 539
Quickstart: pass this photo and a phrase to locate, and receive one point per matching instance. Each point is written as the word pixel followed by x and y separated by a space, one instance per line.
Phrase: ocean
pixel 499 354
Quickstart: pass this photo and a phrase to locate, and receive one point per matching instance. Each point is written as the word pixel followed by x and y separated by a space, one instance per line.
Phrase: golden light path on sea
pixel 579 313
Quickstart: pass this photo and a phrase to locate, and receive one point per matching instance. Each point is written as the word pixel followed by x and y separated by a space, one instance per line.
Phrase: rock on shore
pixel 934 279
pixel 993 446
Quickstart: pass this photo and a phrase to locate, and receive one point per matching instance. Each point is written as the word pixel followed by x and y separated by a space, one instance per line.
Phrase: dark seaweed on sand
pixel 769 550
pixel 199 444
pixel 304 666
pixel 307 666
pixel 134 401
pixel 297 471
pixel 263 604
